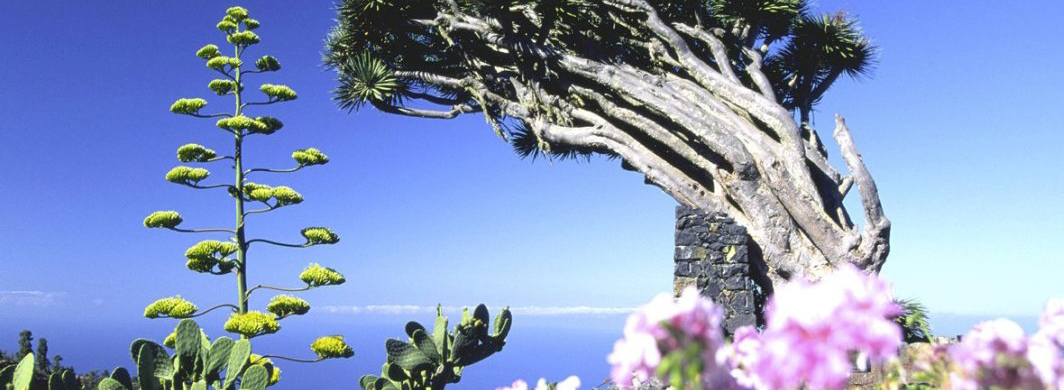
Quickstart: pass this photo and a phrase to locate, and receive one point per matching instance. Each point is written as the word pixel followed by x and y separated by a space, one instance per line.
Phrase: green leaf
pixel 6 375
pixel 439 334
pixel 238 360
pixel 424 344
pixel 255 378
pixel 218 356
pixel 70 382
pixel 189 345
pixel 23 373
pixel 405 355
pixel 110 384
pixel 367 382
pixel 412 327
pixel 55 382
pixel 121 375
pixel 147 367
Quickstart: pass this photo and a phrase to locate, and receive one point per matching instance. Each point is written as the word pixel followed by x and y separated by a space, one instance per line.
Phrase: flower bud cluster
pixel 282 195
pixel 173 307
pixel 243 38
pixel 163 219
pixel 286 305
pixel 268 64
pixel 207 52
pixel 278 92
pixel 220 62
pixel 309 156
pixel 187 175
pixel 203 256
pixel 330 347
pixel 194 153
pixel 252 324
pixel 187 106
pixel 315 276
pixel 222 86
pixel 320 235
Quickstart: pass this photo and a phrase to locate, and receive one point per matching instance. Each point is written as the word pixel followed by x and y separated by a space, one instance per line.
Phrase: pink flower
pixel 662 326
pixel 570 383
pixel 517 385
pixel 812 328
pixel 1046 347
pixel 741 354
pixel 995 354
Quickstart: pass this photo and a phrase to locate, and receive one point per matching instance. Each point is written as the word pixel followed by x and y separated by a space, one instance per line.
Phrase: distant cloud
pixel 29 298
pixel 524 310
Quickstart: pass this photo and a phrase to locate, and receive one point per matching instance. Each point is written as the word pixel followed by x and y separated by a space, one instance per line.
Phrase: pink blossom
pixel 570 383
pixel 1046 347
pixel 995 354
pixel 517 385
pixel 741 354
pixel 812 328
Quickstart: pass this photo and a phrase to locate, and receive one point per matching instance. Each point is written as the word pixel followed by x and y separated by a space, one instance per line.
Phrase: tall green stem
pixel 238 160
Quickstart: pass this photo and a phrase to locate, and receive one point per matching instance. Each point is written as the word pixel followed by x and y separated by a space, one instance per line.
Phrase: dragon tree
pixel 709 99
pixel 231 256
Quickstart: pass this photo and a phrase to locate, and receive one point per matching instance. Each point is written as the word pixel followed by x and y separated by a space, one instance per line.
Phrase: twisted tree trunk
pixel 707 129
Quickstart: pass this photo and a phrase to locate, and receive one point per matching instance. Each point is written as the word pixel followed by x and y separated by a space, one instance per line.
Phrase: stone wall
pixel 714 254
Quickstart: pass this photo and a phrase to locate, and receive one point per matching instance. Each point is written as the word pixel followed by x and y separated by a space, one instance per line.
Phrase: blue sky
pixel 961 124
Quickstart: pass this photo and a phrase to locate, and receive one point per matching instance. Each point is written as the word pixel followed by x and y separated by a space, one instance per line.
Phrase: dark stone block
pixel 696 269
pixel 716 256
pixel 735 283
pixel 730 270
pixel 690 252
pixel 742 302
pixel 732 239
pixel 686 237
pixel 712 288
pixel 735 229
pixel 683 268
pixel 733 323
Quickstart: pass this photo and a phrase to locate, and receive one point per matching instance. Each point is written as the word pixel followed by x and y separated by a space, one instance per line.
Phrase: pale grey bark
pixel 699 133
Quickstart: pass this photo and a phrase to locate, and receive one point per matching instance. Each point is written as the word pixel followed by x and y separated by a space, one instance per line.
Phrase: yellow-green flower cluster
pixel 272 125
pixel 278 92
pixel 171 340
pixel 251 24
pixel 275 373
pixel 329 347
pixel 240 123
pixel 187 175
pixel 309 156
pixel 252 324
pixel 315 276
pixel 283 196
pixel 208 52
pixel 320 235
pixel 163 219
pixel 226 25
pixel 203 256
pixel 267 64
pixel 194 153
pixel 173 307
pixel 243 38
pixel 220 62
pixel 222 86
pixel 187 106
pixel 286 305
pixel 237 13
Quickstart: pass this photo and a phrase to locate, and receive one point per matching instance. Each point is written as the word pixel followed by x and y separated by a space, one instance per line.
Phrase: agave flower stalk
pixel 231 256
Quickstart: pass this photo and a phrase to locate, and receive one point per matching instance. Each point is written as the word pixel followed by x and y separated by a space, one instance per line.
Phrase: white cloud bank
pixel 524 310
pixel 29 298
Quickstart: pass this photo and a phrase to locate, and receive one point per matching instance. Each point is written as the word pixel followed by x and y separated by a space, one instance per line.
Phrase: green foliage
pixel 172 307
pixel 252 324
pixel 913 321
pixel 316 276
pixel 332 347
pixel 195 153
pixel 310 156
pixel 319 235
pixel 287 305
pixel 366 79
pixel 163 219
pixel 273 374
pixel 23 374
pixel 432 361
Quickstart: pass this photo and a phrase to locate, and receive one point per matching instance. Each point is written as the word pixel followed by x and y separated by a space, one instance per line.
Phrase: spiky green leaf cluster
pixel 286 305
pixel 205 255
pixel 207 52
pixel 195 153
pixel 222 86
pixel 331 347
pixel 309 156
pixel 272 370
pixel 268 64
pixel 278 92
pixel 316 276
pixel 319 235
pixel 187 175
pixel 252 324
pixel 243 38
pixel 220 62
pixel 366 79
pixel 172 307
pixel 163 219
pixel 188 106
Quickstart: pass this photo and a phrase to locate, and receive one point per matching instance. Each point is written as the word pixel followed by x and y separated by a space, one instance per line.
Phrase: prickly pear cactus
pixel 431 361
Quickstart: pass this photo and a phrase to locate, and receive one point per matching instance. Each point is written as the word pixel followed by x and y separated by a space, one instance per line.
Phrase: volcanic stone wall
pixel 713 254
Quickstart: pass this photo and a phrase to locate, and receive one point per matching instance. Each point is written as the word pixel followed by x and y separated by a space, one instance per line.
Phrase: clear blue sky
pixel 961 125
